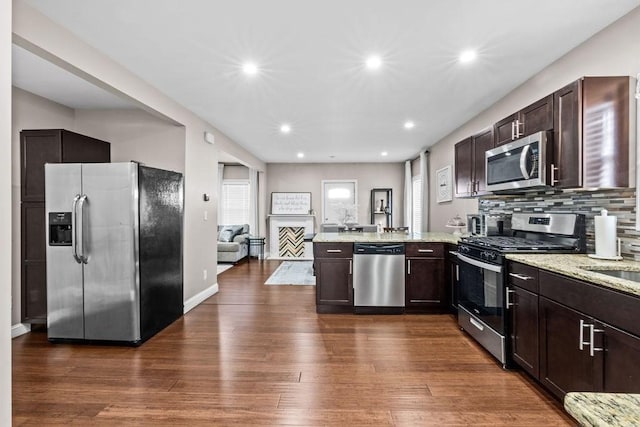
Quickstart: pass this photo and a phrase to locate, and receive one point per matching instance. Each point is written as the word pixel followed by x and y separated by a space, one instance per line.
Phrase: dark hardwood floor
pixel 260 355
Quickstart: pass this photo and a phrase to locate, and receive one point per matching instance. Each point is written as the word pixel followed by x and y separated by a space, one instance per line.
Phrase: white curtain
pixel 220 180
pixel 253 203
pixel 408 203
pixel 424 171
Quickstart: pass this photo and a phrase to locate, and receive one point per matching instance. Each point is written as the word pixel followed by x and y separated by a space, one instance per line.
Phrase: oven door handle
pixel 483 265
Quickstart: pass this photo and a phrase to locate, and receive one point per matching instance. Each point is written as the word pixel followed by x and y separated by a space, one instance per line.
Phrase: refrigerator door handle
pixel 74 234
pixel 82 256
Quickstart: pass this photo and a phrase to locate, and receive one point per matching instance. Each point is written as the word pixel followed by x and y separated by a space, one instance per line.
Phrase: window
pixel 234 202
pixel 339 201
pixel 416 214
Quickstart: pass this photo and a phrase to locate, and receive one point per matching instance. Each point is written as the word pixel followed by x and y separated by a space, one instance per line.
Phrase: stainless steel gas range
pixel 483 301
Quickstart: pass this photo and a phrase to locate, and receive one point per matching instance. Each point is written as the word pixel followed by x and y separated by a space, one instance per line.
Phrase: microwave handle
pixel 523 162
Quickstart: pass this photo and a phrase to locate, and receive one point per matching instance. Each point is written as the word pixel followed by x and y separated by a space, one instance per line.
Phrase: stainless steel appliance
pixel 482 297
pixel 114 252
pixel 523 163
pixel 489 224
pixel 378 277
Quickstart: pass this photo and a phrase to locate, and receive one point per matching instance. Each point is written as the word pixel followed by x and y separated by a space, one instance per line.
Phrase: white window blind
pixel 235 201
pixel 416 217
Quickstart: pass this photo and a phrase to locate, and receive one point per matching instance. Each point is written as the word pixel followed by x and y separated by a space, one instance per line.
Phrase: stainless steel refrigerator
pixel 114 251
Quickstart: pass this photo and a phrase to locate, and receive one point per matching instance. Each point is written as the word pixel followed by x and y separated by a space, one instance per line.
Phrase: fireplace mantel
pixel 276 222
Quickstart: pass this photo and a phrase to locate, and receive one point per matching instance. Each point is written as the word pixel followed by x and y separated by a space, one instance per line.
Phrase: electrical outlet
pixel 204 274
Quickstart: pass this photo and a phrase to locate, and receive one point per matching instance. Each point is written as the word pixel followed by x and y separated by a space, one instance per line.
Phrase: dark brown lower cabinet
pixel 333 267
pixel 564 366
pixel 524 330
pixel 608 360
pixel 425 279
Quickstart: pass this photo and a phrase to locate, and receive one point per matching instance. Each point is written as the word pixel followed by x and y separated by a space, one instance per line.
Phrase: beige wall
pixel 135 135
pixel 236 172
pixel 613 51
pixel 5 212
pixel 308 177
pixel 38 34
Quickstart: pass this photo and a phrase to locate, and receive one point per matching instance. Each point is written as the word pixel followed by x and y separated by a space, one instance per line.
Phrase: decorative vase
pixel 381 205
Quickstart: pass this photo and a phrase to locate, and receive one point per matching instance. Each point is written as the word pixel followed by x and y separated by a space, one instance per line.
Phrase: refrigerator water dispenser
pixel 60 229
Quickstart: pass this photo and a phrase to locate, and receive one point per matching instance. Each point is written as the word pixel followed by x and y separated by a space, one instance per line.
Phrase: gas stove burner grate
pixel 514 243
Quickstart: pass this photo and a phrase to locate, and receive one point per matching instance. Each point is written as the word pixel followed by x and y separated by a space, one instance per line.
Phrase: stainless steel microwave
pixel 520 164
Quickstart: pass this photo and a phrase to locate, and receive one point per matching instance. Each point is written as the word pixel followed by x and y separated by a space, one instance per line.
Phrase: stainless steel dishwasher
pixel 378 277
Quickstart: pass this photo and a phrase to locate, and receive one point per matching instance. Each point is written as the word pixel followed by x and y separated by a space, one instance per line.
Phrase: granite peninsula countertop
pixel 604 409
pixel 583 268
pixel 394 237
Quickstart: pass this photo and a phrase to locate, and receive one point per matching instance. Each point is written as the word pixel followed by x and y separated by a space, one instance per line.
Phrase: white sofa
pixel 232 243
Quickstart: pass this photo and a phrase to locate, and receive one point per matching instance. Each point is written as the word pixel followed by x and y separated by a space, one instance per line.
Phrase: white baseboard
pixel 195 300
pixel 20 329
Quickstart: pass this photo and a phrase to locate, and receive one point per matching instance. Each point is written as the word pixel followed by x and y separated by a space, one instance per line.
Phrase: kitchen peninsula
pixel 424 282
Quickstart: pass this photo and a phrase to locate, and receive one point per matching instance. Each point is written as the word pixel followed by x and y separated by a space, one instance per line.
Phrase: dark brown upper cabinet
pixel 470 179
pixel 38 147
pixel 592 133
pixel 531 119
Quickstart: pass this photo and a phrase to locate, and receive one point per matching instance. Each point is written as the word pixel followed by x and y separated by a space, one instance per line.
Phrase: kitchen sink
pixel 621 274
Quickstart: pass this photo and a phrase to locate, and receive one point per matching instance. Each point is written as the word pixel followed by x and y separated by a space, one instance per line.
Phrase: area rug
pixel 293 273
pixel 223 267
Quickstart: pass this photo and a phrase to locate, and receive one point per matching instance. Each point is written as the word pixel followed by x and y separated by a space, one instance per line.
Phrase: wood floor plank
pixel 260 355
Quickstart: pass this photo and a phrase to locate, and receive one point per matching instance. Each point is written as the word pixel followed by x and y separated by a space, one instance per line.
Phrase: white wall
pixel 305 177
pixel 236 172
pixel 615 51
pixel 5 212
pixel 38 34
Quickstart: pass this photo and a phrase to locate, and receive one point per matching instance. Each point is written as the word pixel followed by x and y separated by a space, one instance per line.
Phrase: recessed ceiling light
pixel 250 69
pixel 409 124
pixel 384 153
pixel 285 128
pixel 300 155
pixel 467 56
pixel 374 62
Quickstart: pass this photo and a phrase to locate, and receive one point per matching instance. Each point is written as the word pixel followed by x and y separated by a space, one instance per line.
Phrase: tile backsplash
pixel 619 202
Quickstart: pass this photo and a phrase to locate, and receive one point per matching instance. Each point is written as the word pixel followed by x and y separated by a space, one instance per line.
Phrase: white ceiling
pixel 311 58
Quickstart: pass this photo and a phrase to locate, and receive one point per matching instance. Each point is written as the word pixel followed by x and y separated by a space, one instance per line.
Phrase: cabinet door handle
pixel 513 131
pixel 554 181
pixel 408 267
pixel 334 251
pixel 582 342
pixel 350 266
pixel 457 272
pixel 425 251
pixel 593 349
pixel 518 124
pixel 509 293
pixel 520 276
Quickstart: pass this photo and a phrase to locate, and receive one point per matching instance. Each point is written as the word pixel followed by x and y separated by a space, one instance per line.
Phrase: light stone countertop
pixel 394 237
pixel 583 268
pixel 604 409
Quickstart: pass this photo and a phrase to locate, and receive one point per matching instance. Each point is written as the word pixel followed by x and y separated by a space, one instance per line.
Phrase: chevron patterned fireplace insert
pixel 291 242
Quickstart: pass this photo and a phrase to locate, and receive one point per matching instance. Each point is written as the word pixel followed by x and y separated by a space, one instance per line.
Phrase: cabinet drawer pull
pixel 437 301
pixel 425 251
pixel 408 267
pixel 520 276
pixel 334 251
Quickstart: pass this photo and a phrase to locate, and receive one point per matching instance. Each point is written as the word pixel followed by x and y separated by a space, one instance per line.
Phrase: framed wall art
pixel 444 185
pixel 290 203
